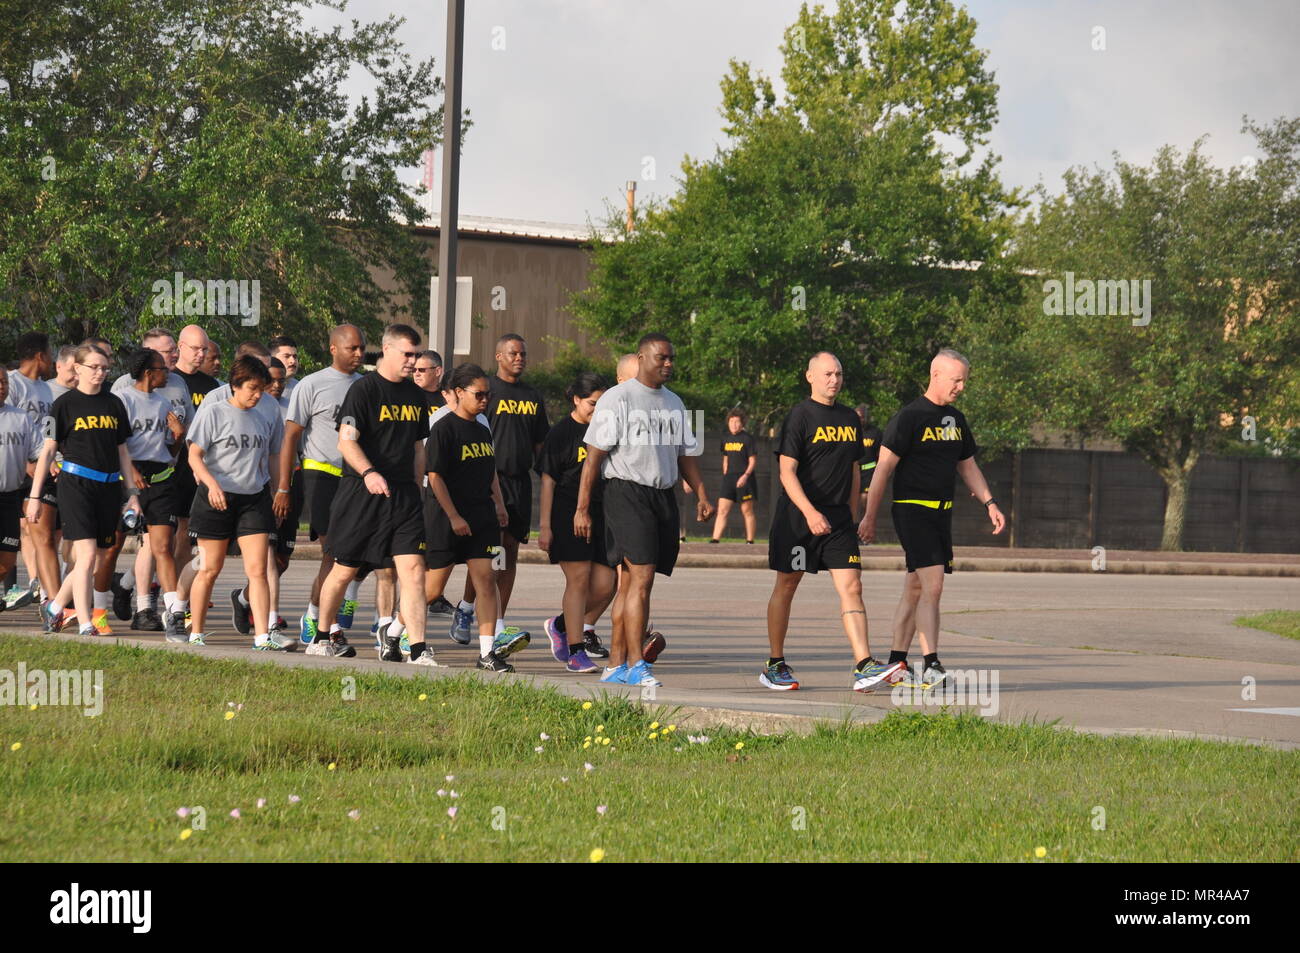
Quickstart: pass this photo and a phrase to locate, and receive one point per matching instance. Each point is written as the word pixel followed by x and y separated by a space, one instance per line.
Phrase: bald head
pixel 627 365
pixel 347 348
pixel 948 373
pixel 194 344
pixel 825 377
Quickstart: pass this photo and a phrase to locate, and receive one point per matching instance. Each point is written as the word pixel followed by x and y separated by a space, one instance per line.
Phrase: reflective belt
pixel 76 469
pixel 162 475
pixel 309 464
pixel 931 504
pixel 872 466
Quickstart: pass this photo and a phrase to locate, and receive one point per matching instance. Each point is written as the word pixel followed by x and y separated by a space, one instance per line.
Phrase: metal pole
pixel 450 182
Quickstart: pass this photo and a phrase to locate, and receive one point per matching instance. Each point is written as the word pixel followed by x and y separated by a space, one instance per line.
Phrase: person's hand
pixel 742 480
pixel 33 510
pixel 132 503
pixel 999 521
pixel 703 509
pixel 174 425
pixel 503 518
pixel 867 530
pixel 216 499
pixel 459 526
pixel 817 524
pixel 138 480
pixel 686 487
pixel 544 537
pixel 376 484
pixel 582 524
pixel 280 505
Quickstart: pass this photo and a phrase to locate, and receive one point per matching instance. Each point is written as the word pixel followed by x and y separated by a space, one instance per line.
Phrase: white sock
pixel 396 628
pixel 128 578
pixel 313 611
pixel 484 645
pixel 384 622
pixel 466 606
pixel 272 618
pixel 260 638
pixel 181 605
pixel 586 627
pixel 336 628
pixel 243 598
pixel 103 599
pixel 353 588
pixel 55 608
pixel 501 626
pixel 171 601
pixel 141 601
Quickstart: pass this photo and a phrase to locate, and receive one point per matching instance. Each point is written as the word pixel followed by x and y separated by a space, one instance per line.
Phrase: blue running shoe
pixel 462 623
pixel 641 674
pixel 510 640
pixel 346 613
pixel 307 630
pixel 615 676
pixel 873 673
pixel 374 631
pixel 779 678
pixel 404 644
pixel 559 640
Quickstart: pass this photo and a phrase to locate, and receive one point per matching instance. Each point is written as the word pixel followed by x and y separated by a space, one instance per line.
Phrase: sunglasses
pixel 477 394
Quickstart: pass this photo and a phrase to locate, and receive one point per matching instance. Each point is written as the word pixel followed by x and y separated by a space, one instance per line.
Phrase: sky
pixel 572 98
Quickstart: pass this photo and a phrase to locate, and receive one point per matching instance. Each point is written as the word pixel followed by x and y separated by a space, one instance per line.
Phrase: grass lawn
pixel 1284 622
pixel 368 779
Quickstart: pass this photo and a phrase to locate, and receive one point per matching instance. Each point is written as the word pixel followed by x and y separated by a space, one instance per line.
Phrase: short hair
pixel 507 338
pixel 403 331
pixel 654 337
pixel 281 340
pixel 248 368
pixel 85 350
pixel 255 348
pixel 103 343
pixel 276 362
pixel 737 412
pixel 464 375
pixel 138 363
pixel 585 384
pixel 156 333
pixel 953 355
pixel 33 344
pixel 433 356
pixel 68 351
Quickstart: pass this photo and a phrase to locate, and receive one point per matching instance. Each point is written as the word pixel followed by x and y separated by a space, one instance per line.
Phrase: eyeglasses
pixel 95 368
pixel 477 394
pixel 425 370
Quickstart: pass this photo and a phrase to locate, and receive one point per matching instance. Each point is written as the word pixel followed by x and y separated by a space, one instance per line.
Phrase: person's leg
pixel 326 564
pixel 506 577
pixel 853 614
pixel 385 595
pixel 142 569
pixel 483 577
pixel 778 611
pixel 158 553
pixel 45 550
pixel 332 590
pixel 751 522
pixel 927 608
pixel 435 583
pixel 720 523
pixel 616 621
pixel 107 564
pixel 210 559
pixel 600 592
pixel 272 584
pixel 636 609
pixel 256 552
pixel 577 578
pixel 904 625
pixel 409 570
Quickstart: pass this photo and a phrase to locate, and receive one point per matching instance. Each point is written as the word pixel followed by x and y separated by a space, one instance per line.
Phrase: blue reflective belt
pixel 76 469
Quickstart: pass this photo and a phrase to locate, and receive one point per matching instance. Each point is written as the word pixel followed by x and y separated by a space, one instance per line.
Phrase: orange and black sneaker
pixel 99 622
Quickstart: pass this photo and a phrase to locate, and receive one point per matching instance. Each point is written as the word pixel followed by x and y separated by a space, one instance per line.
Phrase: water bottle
pixel 130 519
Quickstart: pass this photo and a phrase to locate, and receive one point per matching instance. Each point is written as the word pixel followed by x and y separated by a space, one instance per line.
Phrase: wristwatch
pixel 989 502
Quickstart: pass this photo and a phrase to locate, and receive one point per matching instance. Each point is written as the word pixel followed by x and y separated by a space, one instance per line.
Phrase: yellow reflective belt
pixel 872 466
pixel 932 504
pixel 309 464
pixel 162 475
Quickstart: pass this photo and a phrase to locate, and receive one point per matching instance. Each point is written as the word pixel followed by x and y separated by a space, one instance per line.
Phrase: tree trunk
pixel 1178 480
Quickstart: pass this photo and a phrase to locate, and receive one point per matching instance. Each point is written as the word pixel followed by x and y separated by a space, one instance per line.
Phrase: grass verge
pixel 1284 622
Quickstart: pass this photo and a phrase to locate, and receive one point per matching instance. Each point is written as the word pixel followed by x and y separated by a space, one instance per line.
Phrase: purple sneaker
pixel 560 642
pixel 578 662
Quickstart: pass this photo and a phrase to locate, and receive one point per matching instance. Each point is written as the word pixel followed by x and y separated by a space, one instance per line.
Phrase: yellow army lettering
pixel 835 434
pixel 855 559
pixel 582 453
pixel 95 422
pixel 517 407
pixel 482 449
pixel 867 441
pixel 733 447
pixel 941 433
pixel 401 411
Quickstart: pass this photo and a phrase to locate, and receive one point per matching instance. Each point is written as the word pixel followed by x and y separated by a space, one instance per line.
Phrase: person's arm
pixel 973 477
pixel 356 458
pixel 690 468
pixel 817 523
pixel 855 489
pixel 548 494
pixel 130 475
pixel 438 487
pixel 499 501
pixel 590 474
pixel 283 473
pixel 203 476
pixel 419 460
pixel 32 505
pixel 885 466
pixel 749 470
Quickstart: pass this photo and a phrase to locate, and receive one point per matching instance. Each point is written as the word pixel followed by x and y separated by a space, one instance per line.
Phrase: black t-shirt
pixel 827 442
pixel 871 437
pixel 200 384
pixel 737 448
pixel 517 416
pixel 435 400
pixel 929 441
pixel 391 417
pixel 460 451
pixel 562 457
pixel 90 427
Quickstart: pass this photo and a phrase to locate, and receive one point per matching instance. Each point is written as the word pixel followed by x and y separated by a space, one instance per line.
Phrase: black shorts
pixel 183 489
pixel 157 500
pixel 90 509
pixel 49 492
pixel 368 529
pixel 517 494
pixel 246 514
pixel 565 546
pixel 925 534
pixel 11 517
pixel 745 494
pixel 447 549
pixel 285 536
pixel 318 490
pixel 641 526
pixel 792 547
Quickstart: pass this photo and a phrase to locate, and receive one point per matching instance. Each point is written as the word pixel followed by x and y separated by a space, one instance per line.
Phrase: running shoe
pixel 615 676
pixel 87 630
pixel 173 628
pixel 441 606
pixel 374 634
pixel 121 598
pixel 278 642
pixel 307 629
pixel 99 622
pixel 559 640
pixel 580 664
pixel 189 619
pixel 493 663
pixel 20 598
pixel 510 640
pixel 347 612
pixel 425 658
pixel 779 678
pixel 391 650
pixel 933 676
pixel 12 595
pixel 405 642
pixel 198 638
pixel 591 645
pixel 51 621
pixel 462 623
pixel 280 625
pixel 653 644
pixel 147 620
pixel 336 646
pixel 241 614
pixel 641 674
pixel 905 677
pixel 872 674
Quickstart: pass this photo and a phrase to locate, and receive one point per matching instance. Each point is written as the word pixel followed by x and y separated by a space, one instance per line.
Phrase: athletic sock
pixel 141 601
pixel 336 628
pixel 55 608
pixel 272 618
pixel 127 581
pixel 417 649
pixel 313 611
pixel 243 597
pixel 775 660
pixel 260 638
pixel 932 659
pixel 170 601
pixel 181 605
pixel 501 626
pixel 395 629
pixel 465 606
pixel 484 645
pixel 103 599
pixel 897 656
pixel 354 587
pixel 575 647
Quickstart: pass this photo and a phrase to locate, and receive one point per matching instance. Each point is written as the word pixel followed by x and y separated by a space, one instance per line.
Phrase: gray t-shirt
pixel 236 444
pixel 266 405
pixel 20 441
pixel 313 406
pixel 150 436
pixel 31 396
pixel 57 390
pixel 289 384
pixel 175 390
pixel 644 430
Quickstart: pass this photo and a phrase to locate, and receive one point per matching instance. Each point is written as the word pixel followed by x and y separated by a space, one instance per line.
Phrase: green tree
pixel 1221 339
pixel 211 138
pixel 837 218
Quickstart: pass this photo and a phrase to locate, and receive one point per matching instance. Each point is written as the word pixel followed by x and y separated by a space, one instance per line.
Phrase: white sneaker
pixel 426 659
